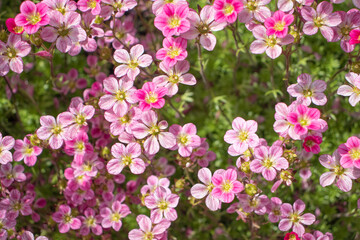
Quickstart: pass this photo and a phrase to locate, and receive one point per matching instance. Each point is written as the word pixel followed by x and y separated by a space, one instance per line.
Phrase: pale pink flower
pixel 227 10
pixel 186 138
pixel 242 136
pixel 174 50
pixel 268 160
pixel 154 132
pixel 124 32
pixel 126 156
pixel 158 5
pixel 172 19
pixel 356 3
pixel 305 119
pixel 269 44
pixel 317 235
pixel 65 220
pixel 130 63
pixel 256 203
pixel 274 208
pixel 122 122
pixel 52 130
pixel 65 30
pixel 90 221
pixel 92 5
pixel 199 190
pixel 342 176
pixel 120 6
pixel 151 96
pixel 226 185
pixel 288 5
pixel 153 182
pixel 353 90
pixel 254 9
pixel 350 153
pixel 119 95
pixel 112 217
pixel 202 25
pixel 9 174
pixel 27 235
pixel 323 18
pixel 11 54
pixel 25 150
pixel 307 91
pixel 6 144
pixel 78 146
pixel 278 24
pixel 32 16
pixel 148 230
pixel 162 204
pixel 63 6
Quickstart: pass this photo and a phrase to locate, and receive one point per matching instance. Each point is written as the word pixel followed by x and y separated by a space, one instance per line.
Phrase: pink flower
pixel 323 18
pixel 186 138
pixel 126 156
pixel 147 229
pixel 267 161
pixel 63 6
pixel 90 221
pixel 199 190
pixel 78 147
pixel 52 130
pixel 86 5
pixel 8 174
pixel 307 91
pixel 65 30
pixel 227 10
pixel 282 126
pixel 353 90
pixel 112 217
pixel 311 144
pixel 278 24
pixel 291 236
pixel 350 153
pixel 256 204
pixel 242 136
pixel 119 95
pixel 120 6
pixel 32 16
pixel 153 183
pixel 150 127
pixel 350 21
pixel 120 122
pixel 25 150
pixel 174 50
pixel 129 63
pixel 65 220
pixel 12 27
pixel 288 5
pixel 162 204
pixel 354 36
pixel 203 25
pixel 254 9
pixel 317 235
pixel 275 213
pixel 6 144
pixel 11 54
pixel 172 19
pixel 174 76
pixel 305 119
pixel 292 217
pixel 226 185
pixel 15 204
pixel 343 176
pixel 151 96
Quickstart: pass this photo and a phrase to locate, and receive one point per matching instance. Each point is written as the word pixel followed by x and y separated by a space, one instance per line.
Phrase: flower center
pixel 203 28
pixel 80 119
pixel 117 5
pixel 151 97
pixel 10 176
pixel 243 136
pixel 148 236
pixel 173 52
pixel 268 163
pixel 120 35
pixel 155 130
pixel 120 95
pixel 17 206
pixel 34 18
pixel 174 78
pixel 271 41
pixel 11 53
pixel 308 93
pixel 292 237
pixel 251 6
pixel 303 121
pixel 228 9
pixel 127 160
pixel 61 10
pixel 90 221
pixel 210 187
pixel 125 119
pixel 28 151
pixel 92 4
pixel 18 29
pixel 227 186
pixel 345 30
pixel 318 22
pixel 254 203
pixel 67 218
pixel 174 22
pixel 115 217
pixel 183 139
pixel 87 167
pixel 279 26
pixel 162 205
pixel 63 31
pixel 133 64
pixel 294 217
pixel 57 130
pixel 355 154
pixel 339 170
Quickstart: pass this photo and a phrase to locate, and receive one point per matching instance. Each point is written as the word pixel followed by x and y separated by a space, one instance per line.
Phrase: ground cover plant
pixel 175 119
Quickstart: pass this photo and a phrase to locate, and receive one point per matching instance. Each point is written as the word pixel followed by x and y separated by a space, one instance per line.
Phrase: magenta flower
pixel 126 156
pixel 15 204
pixel 90 221
pixel 186 138
pixel 148 230
pixel 174 50
pixel 112 217
pixel 311 144
pixel 269 44
pixel 150 127
pixel 268 160
pixel 12 27
pixel 119 95
pixel 158 5
pixel 65 30
pixel 278 24
pixel 172 19
pixel 227 10
pixel 199 190
pixel 342 176
pixel 292 217
pixel 305 119
pixel 129 63
pixel 6 144
pixel 32 16
pixel 92 5
pixel 242 136
pixel 350 153
pixel 354 36
pixel 8 174
pixel 226 185
pixel 292 235
pixel 307 91
pixel 78 147
pixel 52 130
pixel 11 54
pixel 323 18
pixel 65 220
pixel 353 90
pixel 174 76
pixel 151 96
pixel 162 203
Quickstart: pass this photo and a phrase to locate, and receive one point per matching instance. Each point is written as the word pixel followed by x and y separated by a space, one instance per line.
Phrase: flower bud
pixel 251 189
pixel 245 167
